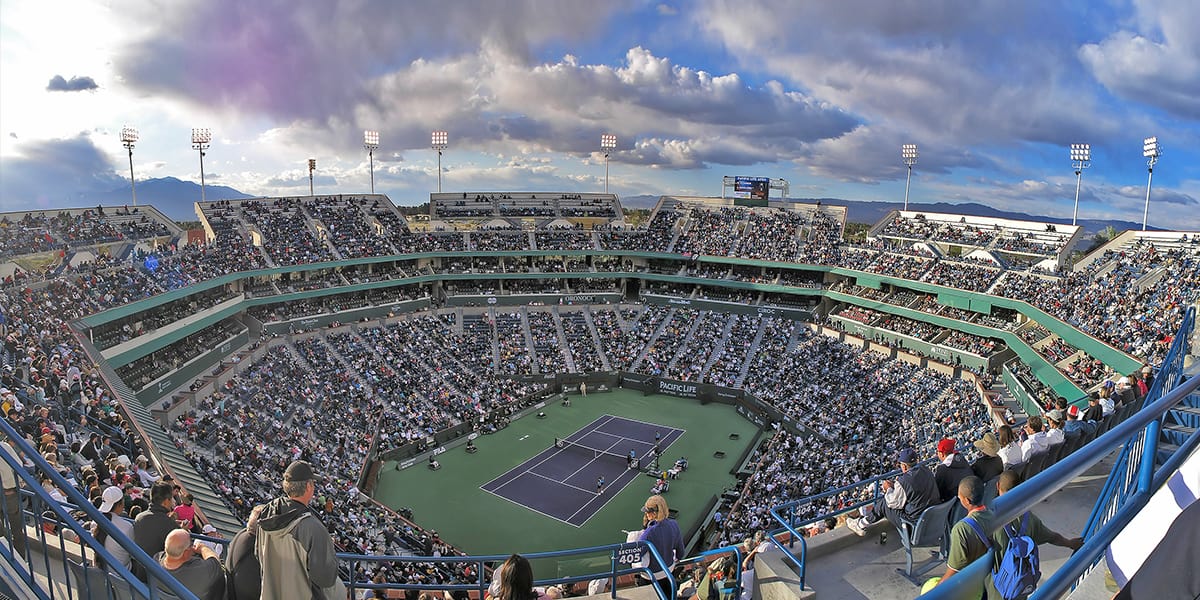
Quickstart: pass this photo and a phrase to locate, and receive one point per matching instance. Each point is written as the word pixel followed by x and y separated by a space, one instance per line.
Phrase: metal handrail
pixel 155 572
pixel 737 556
pixel 626 553
pixel 1016 502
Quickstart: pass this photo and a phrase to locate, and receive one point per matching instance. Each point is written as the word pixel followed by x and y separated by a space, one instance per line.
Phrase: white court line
pixel 560 483
pixel 529 507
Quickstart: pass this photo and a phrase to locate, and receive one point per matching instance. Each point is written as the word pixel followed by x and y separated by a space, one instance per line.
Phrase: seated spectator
pixel 1075 425
pixel 904 499
pixel 1010 447
pixel 990 464
pixel 194 565
pixel 952 467
pixel 1035 438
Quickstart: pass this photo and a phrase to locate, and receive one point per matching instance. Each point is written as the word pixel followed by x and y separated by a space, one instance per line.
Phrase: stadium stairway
pixel 650 342
pixel 170 458
pixel 563 347
pixel 750 354
pixel 719 348
pixel 587 318
pixel 1180 423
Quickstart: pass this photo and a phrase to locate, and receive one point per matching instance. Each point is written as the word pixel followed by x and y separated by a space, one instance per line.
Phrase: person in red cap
pixel 951 469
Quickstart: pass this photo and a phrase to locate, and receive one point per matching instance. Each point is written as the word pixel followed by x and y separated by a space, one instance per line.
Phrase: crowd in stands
pixel 1131 298
pixel 894 404
pixel 39 232
pixel 974 344
pixel 910 327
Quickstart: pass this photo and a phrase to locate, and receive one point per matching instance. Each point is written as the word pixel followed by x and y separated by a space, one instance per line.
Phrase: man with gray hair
pixel 193 564
pixel 292 545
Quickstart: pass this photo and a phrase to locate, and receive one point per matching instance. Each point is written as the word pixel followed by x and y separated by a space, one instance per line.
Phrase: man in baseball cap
pixel 287 532
pixel 914 490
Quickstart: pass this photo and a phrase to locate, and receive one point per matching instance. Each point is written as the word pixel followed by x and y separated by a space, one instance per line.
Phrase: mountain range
pixel 176 198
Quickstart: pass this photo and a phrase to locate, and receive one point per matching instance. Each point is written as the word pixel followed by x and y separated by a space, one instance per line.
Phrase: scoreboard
pixel 758 188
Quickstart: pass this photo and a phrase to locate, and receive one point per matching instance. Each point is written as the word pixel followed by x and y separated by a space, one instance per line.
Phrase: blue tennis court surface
pixel 561 482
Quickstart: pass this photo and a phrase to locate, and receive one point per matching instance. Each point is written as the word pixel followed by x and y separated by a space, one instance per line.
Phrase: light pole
pixel 312 166
pixel 908 152
pixel 371 144
pixel 201 140
pixel 1081 158
pixel 439 140
pixel 1150 150
pixel 608 142
pixel 129 137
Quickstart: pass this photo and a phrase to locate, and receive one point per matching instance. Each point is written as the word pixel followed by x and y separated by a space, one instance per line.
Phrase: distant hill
pixel 174 197
pixel 859 211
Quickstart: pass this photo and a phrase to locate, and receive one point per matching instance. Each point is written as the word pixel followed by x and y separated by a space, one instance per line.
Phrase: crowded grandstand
pixel 134 351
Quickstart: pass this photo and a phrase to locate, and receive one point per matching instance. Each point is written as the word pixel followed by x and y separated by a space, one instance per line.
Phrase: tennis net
pixel 596 453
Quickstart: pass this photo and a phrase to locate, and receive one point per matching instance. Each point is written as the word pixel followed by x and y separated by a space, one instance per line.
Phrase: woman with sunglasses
pixel 662 532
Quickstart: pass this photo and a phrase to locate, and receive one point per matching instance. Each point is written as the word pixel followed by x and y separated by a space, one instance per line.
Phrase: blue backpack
pixel 1019 569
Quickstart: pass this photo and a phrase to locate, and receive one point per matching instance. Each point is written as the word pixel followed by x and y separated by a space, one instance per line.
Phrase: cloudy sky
pixel 819 93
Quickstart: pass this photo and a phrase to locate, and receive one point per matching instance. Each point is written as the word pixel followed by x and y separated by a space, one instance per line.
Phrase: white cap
pixel 112 495
pixel 208 528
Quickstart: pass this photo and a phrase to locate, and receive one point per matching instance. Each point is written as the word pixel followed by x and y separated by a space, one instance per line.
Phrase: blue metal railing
pixel 787 515
pixel 623 559
pixel 43 578
pixel 117 577
pixel 1131 484
pixel 736 551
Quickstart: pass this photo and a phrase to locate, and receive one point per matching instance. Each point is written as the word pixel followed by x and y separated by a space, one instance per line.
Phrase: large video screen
pixel 758 188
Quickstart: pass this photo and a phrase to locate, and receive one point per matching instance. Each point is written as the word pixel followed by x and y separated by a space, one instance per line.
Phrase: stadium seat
pixel 1034 465
pixel 929 530
pixel 989 490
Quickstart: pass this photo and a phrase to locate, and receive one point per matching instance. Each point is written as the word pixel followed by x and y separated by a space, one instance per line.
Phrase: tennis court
pixel 561 481
pixel 452 501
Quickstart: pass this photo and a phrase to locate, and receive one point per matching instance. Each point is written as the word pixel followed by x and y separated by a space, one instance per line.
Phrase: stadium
pixel 517 371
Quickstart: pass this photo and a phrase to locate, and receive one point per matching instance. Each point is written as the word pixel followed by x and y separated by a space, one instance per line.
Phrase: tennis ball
pixel 930 583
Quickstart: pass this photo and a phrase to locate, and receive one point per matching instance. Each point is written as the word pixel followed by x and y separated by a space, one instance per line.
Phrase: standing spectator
pixel 965 544
pixel 151 527
pixel 950 470
pixel 185 513
pixel 914 490
pixel 293 546
pixel 662 532
pixel 194 565
pixel 990 464
pixel 13 525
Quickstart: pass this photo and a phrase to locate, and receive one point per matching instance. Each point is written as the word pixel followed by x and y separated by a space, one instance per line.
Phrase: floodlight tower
pixel 1151 150
pixel 1081 158
pixel 608 142
pixel 312 166
pixel 371 144
pixel 201 140
pixel 439 140
pixel 908 152
pixel 129 137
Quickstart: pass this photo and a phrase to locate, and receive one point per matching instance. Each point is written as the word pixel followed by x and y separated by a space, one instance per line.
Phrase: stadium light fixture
pixel 1081 158
pixel 312 166
pixel 129 137
pixel 440 140
pixel 608 142
pixel 908 152
pixel 201 140
pixel 1151 150
pixel 371 144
